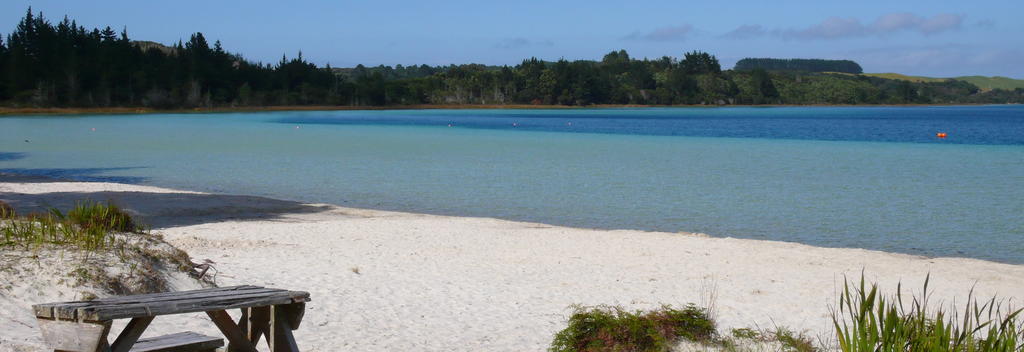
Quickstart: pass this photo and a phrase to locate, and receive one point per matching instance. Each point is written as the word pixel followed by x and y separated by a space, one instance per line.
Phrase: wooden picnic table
pixel 83 326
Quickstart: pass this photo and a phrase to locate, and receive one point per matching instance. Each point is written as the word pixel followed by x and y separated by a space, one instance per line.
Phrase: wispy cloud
pixel 830 28
pixel 985 23
pixel 516 43
pixel 844 27
pixel 663 34
pixel 840 27
pixel 746 31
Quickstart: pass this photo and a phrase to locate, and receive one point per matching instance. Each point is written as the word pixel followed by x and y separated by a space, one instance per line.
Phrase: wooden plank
pixel 100 307
pixel 280 338
pixel 73 336
pixel 119 311
pixel 46 310
pixel 172 293
pixel 238 341
pixel 177 296
pixel 180 342
pixel 130 334
pixel 153 296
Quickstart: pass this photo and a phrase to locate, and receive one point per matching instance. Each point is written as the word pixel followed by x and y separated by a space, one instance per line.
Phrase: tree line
pixel 809 65
pixel 63 64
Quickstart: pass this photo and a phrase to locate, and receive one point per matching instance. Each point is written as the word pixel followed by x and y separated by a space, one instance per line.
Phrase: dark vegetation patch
pixel 615 329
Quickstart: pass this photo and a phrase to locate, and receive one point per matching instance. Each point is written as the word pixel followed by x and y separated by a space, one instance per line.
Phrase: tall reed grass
pixel 865 320
pixel 88 225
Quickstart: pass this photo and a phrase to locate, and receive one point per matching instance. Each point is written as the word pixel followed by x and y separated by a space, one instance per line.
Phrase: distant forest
pixel 63 64
pixel 809 65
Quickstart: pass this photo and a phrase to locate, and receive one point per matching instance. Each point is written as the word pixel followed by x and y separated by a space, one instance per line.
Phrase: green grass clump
pixel 106 216
pixel 781 339
pixel 88 226
pixel 866 321
pixel 614 329
pixel 6 210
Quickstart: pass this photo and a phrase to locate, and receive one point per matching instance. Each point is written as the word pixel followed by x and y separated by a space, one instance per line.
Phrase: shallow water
pixel 868 177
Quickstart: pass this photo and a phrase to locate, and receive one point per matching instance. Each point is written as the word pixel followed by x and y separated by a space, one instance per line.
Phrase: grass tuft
pixel 865 320
pixel 614 329
pixel 6 210
pixel 109 217
pixel 89 226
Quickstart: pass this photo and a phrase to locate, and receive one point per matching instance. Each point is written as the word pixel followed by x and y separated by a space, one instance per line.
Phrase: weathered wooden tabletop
pixel 149 305
pixel 265 312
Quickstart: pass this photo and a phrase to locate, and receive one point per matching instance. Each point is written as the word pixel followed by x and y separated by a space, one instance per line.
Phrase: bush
pixel 110 217
pixel 614 329
pixel 866 321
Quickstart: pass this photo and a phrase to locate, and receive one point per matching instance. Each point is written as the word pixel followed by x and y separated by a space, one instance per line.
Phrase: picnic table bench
pixel 83 326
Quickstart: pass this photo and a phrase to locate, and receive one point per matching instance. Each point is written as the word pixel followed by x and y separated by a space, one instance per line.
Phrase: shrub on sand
pixel 614 329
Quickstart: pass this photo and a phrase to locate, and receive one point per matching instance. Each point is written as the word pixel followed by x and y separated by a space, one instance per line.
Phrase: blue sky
pixel 937 38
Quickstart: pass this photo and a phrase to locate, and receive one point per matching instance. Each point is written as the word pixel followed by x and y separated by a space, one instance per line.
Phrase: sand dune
pixel 389 281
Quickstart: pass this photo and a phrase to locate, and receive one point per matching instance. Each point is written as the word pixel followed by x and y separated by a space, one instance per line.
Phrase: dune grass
pixel 614 329
pixel 864 320
pixel 88 226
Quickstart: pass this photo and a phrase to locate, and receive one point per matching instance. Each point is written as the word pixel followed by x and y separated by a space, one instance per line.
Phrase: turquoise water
pixel 872 178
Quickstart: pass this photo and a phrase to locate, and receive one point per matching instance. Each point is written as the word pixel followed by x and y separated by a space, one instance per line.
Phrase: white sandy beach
pixel 389 281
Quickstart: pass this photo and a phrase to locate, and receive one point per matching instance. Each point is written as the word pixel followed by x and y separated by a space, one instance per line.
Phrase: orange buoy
pixel 941 134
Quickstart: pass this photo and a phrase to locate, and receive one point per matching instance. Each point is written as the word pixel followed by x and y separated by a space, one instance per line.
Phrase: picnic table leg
pixel 259 324
pixel 243 322
pixel 130 334
pixel 281 339
pixel 236 340
pixel 104 345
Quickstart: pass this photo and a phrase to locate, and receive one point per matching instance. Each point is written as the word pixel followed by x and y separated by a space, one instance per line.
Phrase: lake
pixel 865 177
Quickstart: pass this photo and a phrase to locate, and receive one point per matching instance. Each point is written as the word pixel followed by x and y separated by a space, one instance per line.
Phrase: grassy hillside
pixel 903 77
pixel 986 83
pixel 993 82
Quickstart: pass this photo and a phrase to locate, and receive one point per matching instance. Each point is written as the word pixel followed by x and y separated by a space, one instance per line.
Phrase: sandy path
pixel 439 283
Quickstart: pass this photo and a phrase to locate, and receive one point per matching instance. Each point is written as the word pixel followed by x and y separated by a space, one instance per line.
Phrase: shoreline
pixel 17 177
pixel 383 280
pixel 14 111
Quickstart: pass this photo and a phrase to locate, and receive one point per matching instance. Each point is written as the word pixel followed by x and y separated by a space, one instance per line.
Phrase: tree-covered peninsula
pixel 63 64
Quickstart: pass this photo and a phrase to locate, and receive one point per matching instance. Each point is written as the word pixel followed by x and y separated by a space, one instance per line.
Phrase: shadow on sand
pixel 92 174
pixel 8 156
pixel 160 210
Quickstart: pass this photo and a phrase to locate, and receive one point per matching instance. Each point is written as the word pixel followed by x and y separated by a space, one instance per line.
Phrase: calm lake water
pixel 871 177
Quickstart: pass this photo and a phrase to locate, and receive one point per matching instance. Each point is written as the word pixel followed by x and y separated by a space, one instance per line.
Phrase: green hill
pixel 903 77
pixel 993 82
pixel 986 83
